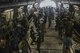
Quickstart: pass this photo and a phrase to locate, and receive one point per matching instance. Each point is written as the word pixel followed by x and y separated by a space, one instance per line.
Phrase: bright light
pixel 30 6
pixel 47 3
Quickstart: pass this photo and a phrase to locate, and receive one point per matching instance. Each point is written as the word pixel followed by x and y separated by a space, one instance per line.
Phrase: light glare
pixel 47 3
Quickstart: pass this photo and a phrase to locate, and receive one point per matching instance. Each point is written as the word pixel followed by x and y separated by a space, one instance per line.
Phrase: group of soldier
pixel 65 23
pixel 37 30
pixel 64 26
pixel 14 33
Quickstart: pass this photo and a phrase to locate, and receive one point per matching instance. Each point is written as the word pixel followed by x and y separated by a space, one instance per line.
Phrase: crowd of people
pixel 14 34
pixel 63 22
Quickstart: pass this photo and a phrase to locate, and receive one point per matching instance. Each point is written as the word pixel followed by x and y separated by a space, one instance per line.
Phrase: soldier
pixel 60 28
pixel 57 21
pixel 68 35
pixel 49 18
pixel 32 35
pixel 68 27
pixel 39 39
pixel 42 26
pixel 17 35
